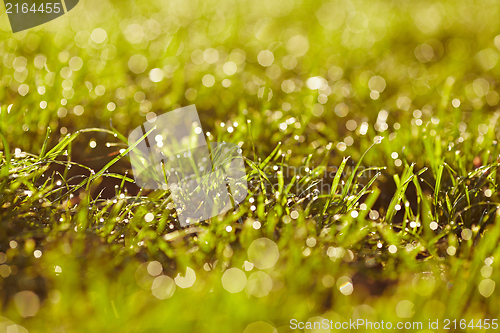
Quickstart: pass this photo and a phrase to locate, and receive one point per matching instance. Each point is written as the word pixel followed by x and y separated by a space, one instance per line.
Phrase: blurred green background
pixel 295 84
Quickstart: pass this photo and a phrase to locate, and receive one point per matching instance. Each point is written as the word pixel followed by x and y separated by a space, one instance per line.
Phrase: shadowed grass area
pixel 369 132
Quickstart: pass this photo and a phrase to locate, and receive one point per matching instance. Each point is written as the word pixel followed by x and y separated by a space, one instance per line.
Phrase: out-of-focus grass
pixel 409 234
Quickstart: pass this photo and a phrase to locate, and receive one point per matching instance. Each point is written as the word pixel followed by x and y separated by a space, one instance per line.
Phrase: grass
pixel 369 131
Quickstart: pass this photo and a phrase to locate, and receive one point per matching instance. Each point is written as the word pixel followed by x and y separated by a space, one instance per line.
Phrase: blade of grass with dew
pixel 271 156
pixel 350 180
pixel 335 183
pixel 402 184
pixel 89 180
pixel 363 191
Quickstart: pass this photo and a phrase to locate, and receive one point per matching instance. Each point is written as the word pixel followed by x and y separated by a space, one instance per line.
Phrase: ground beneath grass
pixel 369 132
